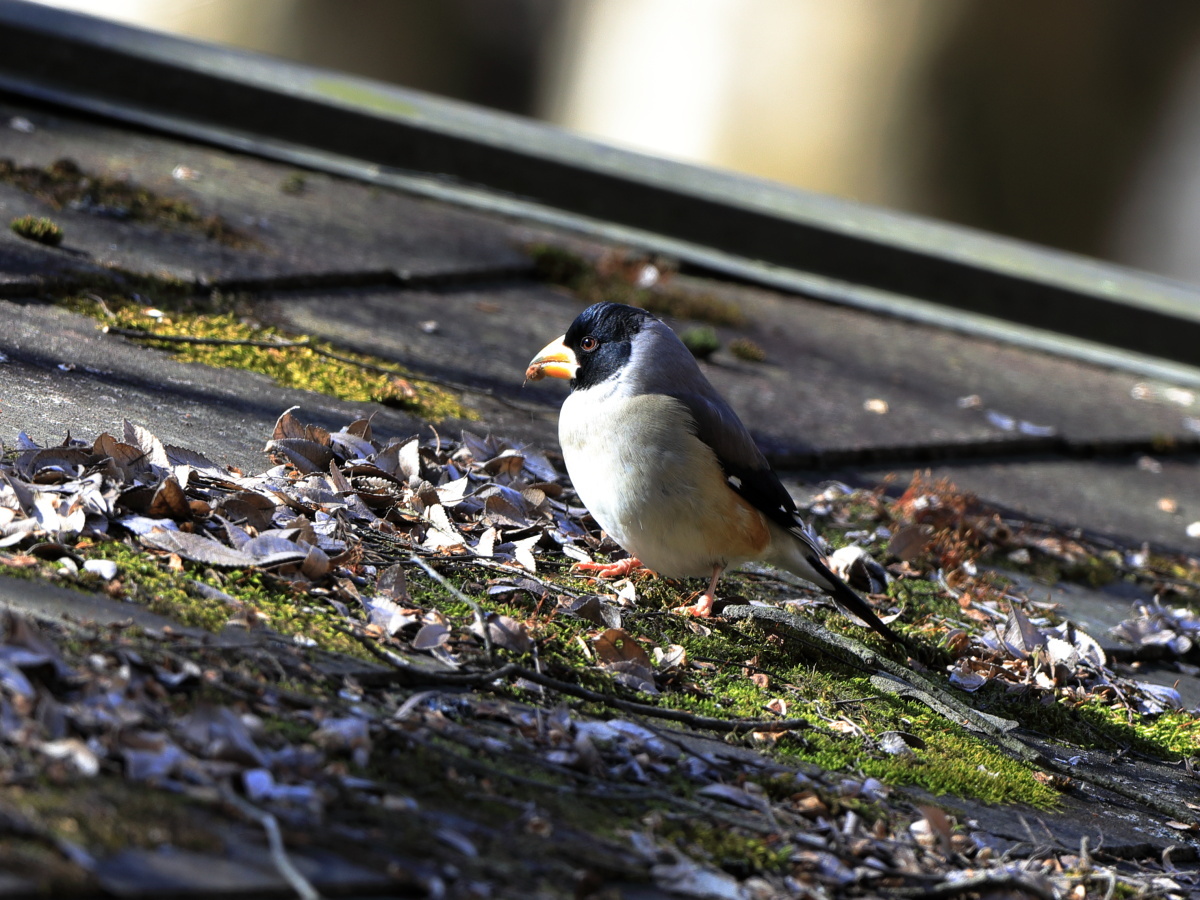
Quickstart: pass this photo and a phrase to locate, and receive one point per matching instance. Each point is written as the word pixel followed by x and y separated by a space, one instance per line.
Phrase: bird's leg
pixel 702 608
pixel 618 569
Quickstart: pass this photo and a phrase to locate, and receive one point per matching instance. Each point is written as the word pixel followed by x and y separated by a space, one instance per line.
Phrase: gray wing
pixel 674 372
pixel 661 364
pixel 745 467
pixel 749 474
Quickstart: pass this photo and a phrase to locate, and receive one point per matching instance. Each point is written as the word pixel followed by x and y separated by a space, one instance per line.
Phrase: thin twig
pixel 518 571
pixel 480 620
pixel 980 884
pixel 371 646
pixel 484 679
pixel 287 870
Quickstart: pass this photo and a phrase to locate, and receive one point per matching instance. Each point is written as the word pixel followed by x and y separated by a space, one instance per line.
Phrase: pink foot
pixel 610 570
pixel 701 609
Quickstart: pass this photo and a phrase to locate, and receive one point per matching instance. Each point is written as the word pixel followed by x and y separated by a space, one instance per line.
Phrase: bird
pixel 665 466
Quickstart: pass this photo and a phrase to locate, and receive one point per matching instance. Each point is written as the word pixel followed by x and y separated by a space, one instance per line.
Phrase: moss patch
pixel 237 342
pixel 36 228
pixel 1171 735
pixel 702 341
pixel 63 183
pixel 295 183
pixel 746 349
pixel 172 592
pixel 847 713
pixel 111 816
pixel 739 854
pixel 951 760
pixel 612 282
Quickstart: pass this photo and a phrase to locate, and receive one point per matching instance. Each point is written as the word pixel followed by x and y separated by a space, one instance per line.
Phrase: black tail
pixel 851 602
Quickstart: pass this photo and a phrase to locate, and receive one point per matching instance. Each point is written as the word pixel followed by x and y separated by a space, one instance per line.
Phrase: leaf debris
pixel 460 697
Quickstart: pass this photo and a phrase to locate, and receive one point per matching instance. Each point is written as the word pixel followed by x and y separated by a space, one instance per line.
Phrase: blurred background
pixel 1070 123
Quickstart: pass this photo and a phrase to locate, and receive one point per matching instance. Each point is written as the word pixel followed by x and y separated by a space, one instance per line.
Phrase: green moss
pixel 1164 443
pixel 449 776
pixel 952 761
pixel 107 815
pixel 1095 724
pixel 63 183
pixel 36 228
pixel 288 731
pixel 956 763
pixel 924 599
pixel 308 367
pixel 295 183
pixel 1171 735
pixel 681 304
pixel 363 95
pixel 147 580
pixel 744 348
pixel 9 570
pixel 1180 568
pixel 41 864
pixel 739 854
pixel 702 341
pixel 559 266
pixel 562 267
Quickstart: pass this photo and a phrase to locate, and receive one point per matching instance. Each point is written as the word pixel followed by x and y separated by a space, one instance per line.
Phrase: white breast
pixel 645 492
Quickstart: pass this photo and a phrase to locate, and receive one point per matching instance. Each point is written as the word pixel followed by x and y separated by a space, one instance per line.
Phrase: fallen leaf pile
pixel 1153 625
pixel 933 531
pixel 451 744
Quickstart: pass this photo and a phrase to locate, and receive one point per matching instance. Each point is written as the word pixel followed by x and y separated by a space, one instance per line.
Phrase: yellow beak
pixel 556 359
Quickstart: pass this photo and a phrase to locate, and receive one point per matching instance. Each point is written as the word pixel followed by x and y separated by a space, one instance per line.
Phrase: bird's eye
pixel 588 344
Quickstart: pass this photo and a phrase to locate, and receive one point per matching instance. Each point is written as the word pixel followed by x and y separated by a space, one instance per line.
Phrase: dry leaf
pixel 432 634
pixel 392 584
pixel 507 632
pixel 617 645
pixel 197 548
pixel 909 542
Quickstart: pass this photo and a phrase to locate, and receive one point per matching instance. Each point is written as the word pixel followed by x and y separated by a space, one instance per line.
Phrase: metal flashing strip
pixel 837 250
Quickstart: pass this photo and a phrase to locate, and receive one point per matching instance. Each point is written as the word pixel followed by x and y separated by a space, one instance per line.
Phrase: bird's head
pixel 595 347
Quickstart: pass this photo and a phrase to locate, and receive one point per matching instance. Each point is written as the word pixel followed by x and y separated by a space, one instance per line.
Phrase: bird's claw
pixel 618 569
pixel 701 609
